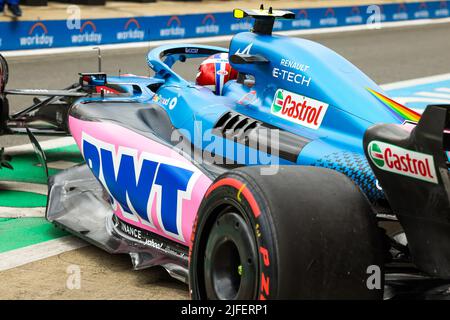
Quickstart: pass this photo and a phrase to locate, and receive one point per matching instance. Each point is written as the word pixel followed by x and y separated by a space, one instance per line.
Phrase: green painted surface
pixel 27 168
pixel 22 232
pixel 17 233
pixel 20 199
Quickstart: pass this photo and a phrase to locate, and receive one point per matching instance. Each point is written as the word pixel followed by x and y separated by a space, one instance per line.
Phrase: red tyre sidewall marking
pixel 239 186
pixel 264 253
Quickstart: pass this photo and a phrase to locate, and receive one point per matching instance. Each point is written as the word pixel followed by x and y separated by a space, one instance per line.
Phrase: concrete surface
pixel 102 276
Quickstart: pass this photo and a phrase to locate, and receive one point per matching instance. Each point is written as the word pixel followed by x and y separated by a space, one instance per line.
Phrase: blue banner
pixel 21 35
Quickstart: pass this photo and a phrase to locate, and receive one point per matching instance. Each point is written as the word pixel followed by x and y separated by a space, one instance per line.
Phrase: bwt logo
pixel 401 13
pixel 330 18
pixel 132 31
pixel 443 10
pixel 354 17
pixel 173 29
pixel 422 12
pixel 302 21
pixel 88 34
pixel 208 26
pixel 142 183
pixel 36 38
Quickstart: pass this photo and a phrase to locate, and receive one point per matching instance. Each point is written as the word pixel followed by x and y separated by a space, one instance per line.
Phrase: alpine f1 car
pixel 295 177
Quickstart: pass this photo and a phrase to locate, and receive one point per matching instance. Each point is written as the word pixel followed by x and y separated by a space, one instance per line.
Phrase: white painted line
pixel 148 44
pixel 415 82
pixel 13 213
pixel 48 144
pixel 23 186
pixel 23 212
pixel 60 164
pixel 15 258
pixel 433 94
pixel 443 90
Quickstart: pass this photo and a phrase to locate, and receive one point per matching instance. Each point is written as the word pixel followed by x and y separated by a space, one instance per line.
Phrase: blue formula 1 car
pixel 296 178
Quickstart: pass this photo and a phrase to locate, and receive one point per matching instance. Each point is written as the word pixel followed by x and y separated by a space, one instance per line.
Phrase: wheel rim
pixel 231 261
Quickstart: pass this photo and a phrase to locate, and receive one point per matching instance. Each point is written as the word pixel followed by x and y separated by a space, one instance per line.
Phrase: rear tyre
pixel 4 73
pixel 4 107
pixel 304 233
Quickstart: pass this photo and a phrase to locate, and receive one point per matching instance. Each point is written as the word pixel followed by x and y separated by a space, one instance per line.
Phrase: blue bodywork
pixel 296 65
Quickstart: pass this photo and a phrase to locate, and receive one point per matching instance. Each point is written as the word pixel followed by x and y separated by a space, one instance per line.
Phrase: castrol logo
pixel 409 163
pixel 302 110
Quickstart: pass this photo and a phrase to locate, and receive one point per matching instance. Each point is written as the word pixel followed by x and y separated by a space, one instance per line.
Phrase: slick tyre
pixel 303 233
pixel 4 73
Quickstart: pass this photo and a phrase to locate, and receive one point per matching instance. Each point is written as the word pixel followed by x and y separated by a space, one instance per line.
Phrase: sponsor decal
pixel 173 29
pixel 88 34
pixel 165 102
pixel 277 25
pixel 208 26
pixel 246 49
pixel 132 31
pixel 37 36
pixel 160 100
pixel 302 20
pixel 422 12
pixel 191 50
pixel 291 76
pixel 128 229
pixel 299 109
pixel 173 102
pixel 265 279
pixel 382 14
pixel 294 65
pixel 409 163
pixel 144 237
pixel 401 13
pixel 222 72
pixel 443 10
pixel 354 17
pixel 140 182
pixel 241 25
pixel 329 19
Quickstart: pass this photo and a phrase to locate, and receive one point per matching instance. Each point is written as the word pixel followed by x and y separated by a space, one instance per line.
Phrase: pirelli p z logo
pixel 409 163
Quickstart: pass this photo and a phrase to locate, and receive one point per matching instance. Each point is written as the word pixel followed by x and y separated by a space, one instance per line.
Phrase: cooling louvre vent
pixel 233 124
pixel 265 137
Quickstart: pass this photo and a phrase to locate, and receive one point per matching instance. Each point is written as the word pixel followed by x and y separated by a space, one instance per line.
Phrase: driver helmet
pixel 215 71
